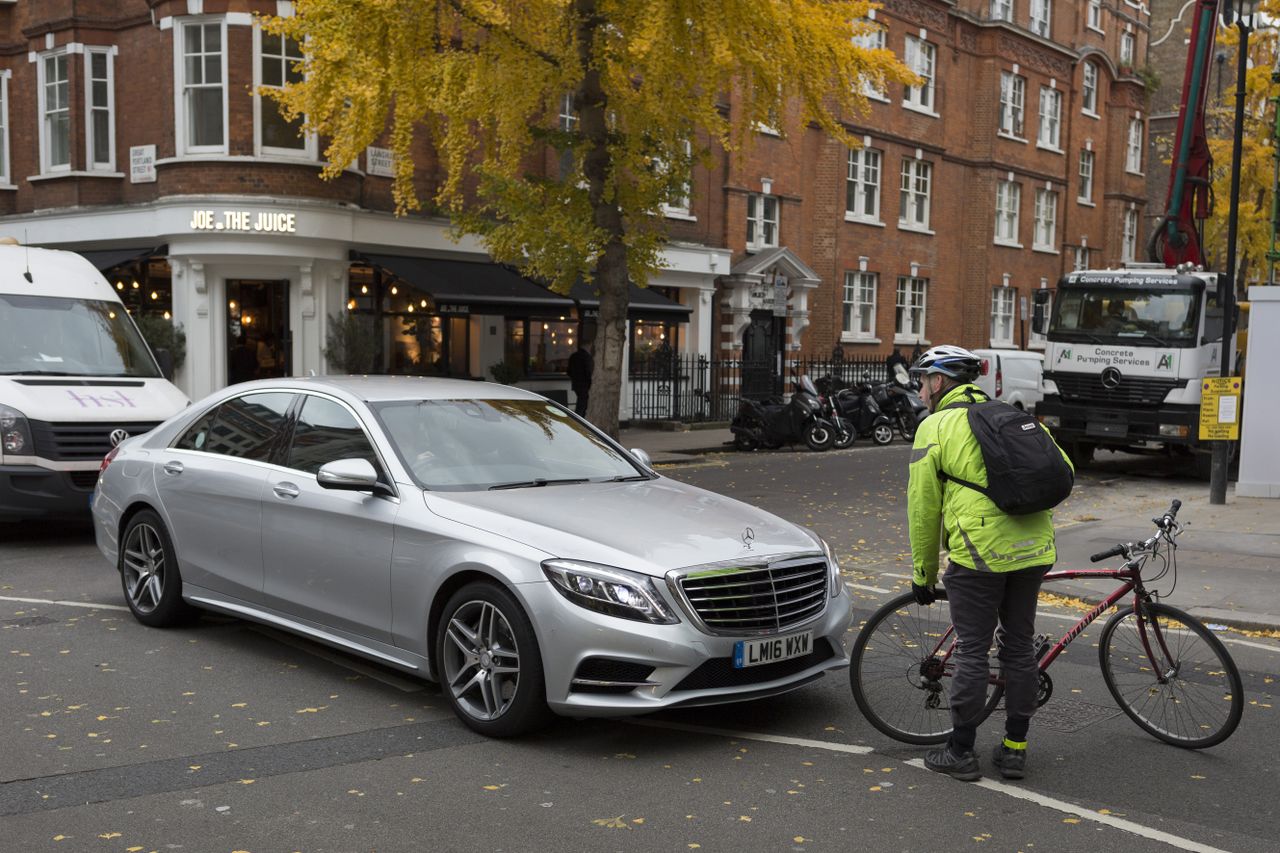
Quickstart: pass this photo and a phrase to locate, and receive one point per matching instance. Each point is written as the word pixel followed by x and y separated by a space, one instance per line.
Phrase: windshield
pixel 1118 315
pixel 56 336
pixel 459 445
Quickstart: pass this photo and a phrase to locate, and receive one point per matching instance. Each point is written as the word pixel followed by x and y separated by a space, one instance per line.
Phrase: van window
pixel 56 336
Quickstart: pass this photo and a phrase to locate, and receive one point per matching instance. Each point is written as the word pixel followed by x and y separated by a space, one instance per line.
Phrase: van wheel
pixel 149 573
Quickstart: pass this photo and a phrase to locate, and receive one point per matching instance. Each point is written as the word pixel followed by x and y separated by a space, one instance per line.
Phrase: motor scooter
pixel 860 409
pixel 772 425
pixel 902 405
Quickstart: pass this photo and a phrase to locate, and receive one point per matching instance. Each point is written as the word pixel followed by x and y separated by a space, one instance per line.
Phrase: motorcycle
pixel 859 409
pixel 845 434
pixel 773 424
pixel 902 405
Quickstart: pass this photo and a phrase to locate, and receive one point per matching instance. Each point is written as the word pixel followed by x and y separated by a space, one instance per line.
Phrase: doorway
pixel 762 356
pixel 259 343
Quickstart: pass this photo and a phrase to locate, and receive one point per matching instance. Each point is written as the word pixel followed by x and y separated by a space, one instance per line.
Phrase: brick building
pixel 131 132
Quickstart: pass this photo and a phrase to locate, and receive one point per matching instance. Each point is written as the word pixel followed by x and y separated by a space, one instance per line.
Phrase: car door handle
pixel 173 467
pixel 288 491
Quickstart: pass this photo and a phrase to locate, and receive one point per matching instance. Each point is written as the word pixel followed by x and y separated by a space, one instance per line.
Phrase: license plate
pixel 1107 430
pixel 771 649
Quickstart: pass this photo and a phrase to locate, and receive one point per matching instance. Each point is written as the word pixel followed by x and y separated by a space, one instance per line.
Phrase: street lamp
pixel 1242 10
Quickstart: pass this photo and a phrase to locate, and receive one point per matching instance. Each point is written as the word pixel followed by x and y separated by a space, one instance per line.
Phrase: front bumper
pixel 685 666
pixel 32 492
pixel 1116 426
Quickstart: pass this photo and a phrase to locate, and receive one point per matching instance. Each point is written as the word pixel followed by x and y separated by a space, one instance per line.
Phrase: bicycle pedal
pixel 1043 642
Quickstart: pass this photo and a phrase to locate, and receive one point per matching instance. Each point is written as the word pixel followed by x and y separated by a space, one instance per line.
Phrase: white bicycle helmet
pixel 956 362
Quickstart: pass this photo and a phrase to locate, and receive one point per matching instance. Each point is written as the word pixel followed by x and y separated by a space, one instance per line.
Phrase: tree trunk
pixel 611 267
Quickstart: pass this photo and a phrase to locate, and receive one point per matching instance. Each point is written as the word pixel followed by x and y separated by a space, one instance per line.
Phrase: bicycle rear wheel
pixel 1193 697
pixel 900 671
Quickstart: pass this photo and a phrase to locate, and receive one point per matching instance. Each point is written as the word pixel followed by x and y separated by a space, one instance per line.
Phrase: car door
pixel 327 552
pixel 210 483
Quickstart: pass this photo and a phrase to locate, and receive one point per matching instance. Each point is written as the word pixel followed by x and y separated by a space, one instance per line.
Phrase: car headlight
pixel 835 581
pixel 15 433
pixel 604 589
pixel 1051 421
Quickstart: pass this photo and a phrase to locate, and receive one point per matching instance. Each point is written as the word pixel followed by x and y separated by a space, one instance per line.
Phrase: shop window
pixel 541 344
pixel 144 286
pixel 392 327
pixel 653 347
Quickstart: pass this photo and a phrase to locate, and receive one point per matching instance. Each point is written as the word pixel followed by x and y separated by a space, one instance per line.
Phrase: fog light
pixel 1052 421
pixel 1175 430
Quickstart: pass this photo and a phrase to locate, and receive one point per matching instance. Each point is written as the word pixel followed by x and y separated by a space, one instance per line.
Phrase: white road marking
pixel 999 787
pixel 879 589
pixel 1086 814
pixel 782 739
pixel 88 604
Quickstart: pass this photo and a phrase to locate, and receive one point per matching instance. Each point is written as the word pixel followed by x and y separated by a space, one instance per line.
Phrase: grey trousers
pixel 979 602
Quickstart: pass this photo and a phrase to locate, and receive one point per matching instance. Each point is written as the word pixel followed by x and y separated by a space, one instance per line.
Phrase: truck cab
pixel 1125 355
pixel 76 379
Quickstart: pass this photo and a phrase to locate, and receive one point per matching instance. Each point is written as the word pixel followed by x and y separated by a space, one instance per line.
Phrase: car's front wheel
pixel 149 573
pixel 489 664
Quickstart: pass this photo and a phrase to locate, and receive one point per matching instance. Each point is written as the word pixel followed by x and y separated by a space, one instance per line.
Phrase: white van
pixel 1014 376
pixel 76 379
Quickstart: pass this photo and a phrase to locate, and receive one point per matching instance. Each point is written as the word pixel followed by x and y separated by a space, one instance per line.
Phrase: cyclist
pixel 996 564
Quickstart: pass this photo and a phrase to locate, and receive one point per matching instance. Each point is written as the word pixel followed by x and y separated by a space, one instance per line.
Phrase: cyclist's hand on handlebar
pixel 925 595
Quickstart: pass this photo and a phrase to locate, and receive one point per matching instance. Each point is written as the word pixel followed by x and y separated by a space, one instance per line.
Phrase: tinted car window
pixel 197 435
pixel 326 432
pixel 248 427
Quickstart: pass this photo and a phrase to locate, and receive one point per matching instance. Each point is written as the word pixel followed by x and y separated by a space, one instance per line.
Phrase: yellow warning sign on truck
pixel 1220 408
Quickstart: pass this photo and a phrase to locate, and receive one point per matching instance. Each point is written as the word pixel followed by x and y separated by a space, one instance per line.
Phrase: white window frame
pixel 1089 90
pixel 1001 10
pixel 861 162
pixel 309 144
pixel 761 221
pixel 1049 135
pixel 905 330
pixel 1013 105
pixel 1008 205
pixel 1045 235
pixel 1133 148
pixel 5 176
pixel 872 40
pixel 46 154
pixel 1003 305
pixel 183 146
pixel 859 306
pixel 91 162
pixel 1041 22
pixel 680 207
pixel 1088 162
pixel 1128 47
pixel 1080 258
pixel 921 57
pixel 1036 340
pixel 914 194
pixel 1094 20
pixel 1129 236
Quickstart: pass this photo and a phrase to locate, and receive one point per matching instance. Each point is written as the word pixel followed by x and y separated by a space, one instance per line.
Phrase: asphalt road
pixel 224 736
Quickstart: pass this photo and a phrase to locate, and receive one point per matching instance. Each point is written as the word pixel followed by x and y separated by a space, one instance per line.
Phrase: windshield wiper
pixel 1161 341
pixel 39 373
pixel 623 478
pixel 537 482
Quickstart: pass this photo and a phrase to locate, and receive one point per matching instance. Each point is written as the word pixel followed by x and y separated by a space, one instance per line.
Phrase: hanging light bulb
pixel 155 295
pixel 247 320
pixel 119 285
pixel 410 307
pixel 111 314
pixel 168 316
pixel 424 303
pixel 394 290
pixel 136 285
pixel 351 305
pixel 232 305
pixel 364 288
pixel 545 327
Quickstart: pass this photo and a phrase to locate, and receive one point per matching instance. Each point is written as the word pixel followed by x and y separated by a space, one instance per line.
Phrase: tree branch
pixel 491 28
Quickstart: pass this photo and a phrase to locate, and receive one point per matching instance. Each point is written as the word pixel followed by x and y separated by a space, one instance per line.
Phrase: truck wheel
pixel 1081 455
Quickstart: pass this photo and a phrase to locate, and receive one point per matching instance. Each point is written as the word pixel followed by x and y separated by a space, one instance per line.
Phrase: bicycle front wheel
pixel 901 669
pixel 1172 676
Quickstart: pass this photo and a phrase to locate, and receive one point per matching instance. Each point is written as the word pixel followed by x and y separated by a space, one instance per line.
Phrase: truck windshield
pixel 56 336
pixel 1116 314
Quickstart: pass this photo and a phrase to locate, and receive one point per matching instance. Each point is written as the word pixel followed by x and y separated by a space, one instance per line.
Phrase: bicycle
pixel 1164 668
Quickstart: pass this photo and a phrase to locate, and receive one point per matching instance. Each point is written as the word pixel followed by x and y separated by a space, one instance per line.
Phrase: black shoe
pixel 958 765
pixel 1012 763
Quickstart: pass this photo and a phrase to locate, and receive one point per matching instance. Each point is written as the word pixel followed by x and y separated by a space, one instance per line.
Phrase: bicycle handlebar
pixel 1113 551
pixel 1170 515
pixel 1166 523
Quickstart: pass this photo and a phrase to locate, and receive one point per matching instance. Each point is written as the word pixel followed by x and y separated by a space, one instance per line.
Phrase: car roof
pixel 375 389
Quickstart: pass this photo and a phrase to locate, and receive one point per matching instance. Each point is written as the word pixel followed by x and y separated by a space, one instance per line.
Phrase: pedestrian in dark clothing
pixel 581 366
pixel 895 357
pixel 915 355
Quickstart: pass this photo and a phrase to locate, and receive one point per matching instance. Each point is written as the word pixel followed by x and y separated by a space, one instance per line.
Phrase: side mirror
pixel 1039 323
pixel 642 457
pixel 349 475
pixel 165 359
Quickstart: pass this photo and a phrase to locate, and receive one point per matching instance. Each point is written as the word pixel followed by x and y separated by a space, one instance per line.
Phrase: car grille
pixel 78 442
pixel 1131 389
pixel 755 599
pixel 720 672
pixel 84 479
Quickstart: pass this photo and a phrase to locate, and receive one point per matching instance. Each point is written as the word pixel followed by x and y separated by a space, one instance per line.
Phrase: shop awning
pixel 643 304
pixel 105 259
pixel 465 287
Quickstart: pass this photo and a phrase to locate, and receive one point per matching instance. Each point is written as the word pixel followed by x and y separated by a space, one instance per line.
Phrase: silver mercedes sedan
pixel 477 535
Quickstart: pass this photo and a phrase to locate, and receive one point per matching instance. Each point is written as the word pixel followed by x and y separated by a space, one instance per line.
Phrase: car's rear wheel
pixel 149 573
pixel 489 664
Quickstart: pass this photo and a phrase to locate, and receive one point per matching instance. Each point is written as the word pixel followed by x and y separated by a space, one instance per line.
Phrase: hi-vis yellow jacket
pixel 978 535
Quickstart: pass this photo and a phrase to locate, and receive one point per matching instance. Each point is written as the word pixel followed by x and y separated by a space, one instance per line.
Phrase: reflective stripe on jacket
pixel 978 534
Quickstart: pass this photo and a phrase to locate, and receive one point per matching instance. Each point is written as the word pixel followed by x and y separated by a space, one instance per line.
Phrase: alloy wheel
pixel 144 568
pixel 481 660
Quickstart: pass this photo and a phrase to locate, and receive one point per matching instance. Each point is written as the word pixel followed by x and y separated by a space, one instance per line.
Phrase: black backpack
pixel 1025 470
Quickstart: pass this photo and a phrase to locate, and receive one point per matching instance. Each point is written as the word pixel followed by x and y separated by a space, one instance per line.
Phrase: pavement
pixel 1228 559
